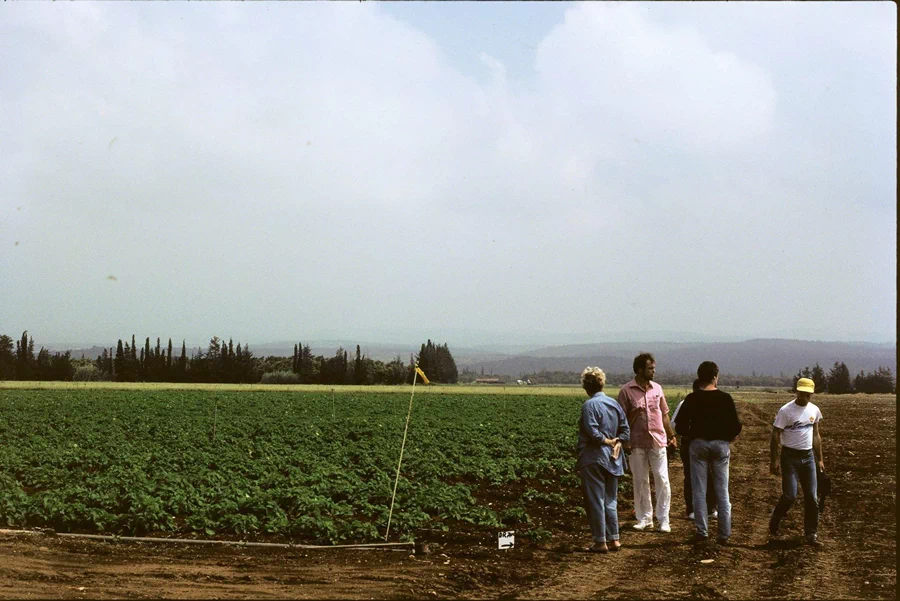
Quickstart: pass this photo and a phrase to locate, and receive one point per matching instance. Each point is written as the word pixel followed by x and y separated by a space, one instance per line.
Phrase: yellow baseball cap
pixel 806 385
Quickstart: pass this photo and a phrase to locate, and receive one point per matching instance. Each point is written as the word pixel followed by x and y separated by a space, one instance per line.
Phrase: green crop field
pixel 302 463
pixel 299 464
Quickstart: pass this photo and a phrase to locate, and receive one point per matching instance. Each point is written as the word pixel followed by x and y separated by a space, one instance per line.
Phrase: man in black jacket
pixel 709 418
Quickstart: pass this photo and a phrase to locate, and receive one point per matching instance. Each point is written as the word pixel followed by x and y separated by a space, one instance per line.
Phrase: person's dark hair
pixel 696 385
pixel 707 371
pixel 640 362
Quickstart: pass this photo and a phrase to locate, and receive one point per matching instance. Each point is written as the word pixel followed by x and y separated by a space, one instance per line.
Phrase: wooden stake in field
pixel 416 372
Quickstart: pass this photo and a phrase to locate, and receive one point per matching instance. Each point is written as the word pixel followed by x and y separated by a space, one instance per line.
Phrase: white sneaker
pixel 643 525
pixel 664 528
pixel 690 515
pixel 714 515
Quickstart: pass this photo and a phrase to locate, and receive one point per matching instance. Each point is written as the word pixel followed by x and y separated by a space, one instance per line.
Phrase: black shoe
pixel 722 542
pixel 813 541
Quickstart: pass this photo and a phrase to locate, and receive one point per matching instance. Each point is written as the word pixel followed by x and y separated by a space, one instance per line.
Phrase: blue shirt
pixel 601 417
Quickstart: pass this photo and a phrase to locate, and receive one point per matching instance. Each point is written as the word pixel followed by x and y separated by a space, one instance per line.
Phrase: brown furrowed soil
pixel 857 561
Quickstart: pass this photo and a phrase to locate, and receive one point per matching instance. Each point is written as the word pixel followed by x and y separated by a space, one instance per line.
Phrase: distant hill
pixel 90 352
pixel 327 348
pixel 762 356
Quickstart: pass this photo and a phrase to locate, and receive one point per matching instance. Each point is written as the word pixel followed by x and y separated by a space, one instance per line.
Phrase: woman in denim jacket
pixel 601 431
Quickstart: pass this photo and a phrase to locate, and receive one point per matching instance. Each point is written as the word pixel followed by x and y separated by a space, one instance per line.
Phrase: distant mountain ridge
pixel 760 356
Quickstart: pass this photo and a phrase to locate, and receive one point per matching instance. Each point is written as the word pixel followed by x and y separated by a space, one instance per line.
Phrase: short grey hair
pixel 593 378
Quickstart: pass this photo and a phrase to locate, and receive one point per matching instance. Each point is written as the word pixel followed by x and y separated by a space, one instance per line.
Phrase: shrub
pixel 280 377
pixel 88 373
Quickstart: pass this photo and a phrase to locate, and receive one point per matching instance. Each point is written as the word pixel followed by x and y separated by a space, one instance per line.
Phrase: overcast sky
pixel 511 172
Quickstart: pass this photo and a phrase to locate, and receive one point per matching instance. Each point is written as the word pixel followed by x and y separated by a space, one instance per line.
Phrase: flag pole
pixel 402 446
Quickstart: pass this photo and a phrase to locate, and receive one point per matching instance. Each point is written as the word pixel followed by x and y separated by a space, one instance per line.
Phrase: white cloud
pixel 616 71
pixel 319 155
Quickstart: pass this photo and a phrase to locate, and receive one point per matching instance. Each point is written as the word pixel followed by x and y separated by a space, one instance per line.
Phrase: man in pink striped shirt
pixel 648 418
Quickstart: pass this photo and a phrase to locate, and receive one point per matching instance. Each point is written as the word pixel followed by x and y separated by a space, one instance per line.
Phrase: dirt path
pixel 859 530
pixel 857 561
pixel 57 568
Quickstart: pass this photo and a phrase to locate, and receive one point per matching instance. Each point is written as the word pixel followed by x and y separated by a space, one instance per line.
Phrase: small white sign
pixel 506 540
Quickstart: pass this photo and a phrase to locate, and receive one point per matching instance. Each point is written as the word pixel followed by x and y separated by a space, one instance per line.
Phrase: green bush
pixel 88 373
pixel 280 377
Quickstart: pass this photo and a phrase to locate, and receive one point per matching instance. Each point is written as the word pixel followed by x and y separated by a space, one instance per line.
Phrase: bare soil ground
pixel 858 560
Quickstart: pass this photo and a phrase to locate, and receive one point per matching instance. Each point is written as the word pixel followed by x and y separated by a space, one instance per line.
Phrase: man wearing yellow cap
pixel 796 427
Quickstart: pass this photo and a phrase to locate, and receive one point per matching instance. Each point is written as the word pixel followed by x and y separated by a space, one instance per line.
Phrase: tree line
pixel 23 364
pixel 219 362
pixel 835 381
pixel 670 378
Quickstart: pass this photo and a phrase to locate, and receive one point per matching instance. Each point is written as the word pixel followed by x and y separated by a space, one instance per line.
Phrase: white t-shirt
pixel 796 423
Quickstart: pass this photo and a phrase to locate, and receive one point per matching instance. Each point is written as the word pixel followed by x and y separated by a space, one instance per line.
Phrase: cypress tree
pixel 24 357
pixel 182 363
pixel 239 364
pixel 119 362
pixel 146 361
pixel 359 374
pixel 158 362
pixel 247 368
pixel 128 365
pixel 306 364
pixel 43 364
pixel 21 350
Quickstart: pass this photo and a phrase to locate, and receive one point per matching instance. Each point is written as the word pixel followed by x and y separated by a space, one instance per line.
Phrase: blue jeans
pixel 684 449
pixel 797 465
pixel 710 458
pixel 600 490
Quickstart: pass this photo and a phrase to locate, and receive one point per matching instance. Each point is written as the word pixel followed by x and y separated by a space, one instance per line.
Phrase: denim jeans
pixel 710 458
pixel 684 450
pixel 600 490
pixel 797 465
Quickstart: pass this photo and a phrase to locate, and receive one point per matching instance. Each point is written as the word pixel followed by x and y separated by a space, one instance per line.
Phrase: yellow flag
pixel 422 374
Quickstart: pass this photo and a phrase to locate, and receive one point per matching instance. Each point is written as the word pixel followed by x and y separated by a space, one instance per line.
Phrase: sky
pixel 473 173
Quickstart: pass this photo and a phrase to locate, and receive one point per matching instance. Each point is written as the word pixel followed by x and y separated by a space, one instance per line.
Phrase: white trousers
pixel 643 462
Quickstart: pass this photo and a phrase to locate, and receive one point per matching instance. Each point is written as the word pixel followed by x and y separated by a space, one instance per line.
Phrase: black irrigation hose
pixel 193 541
